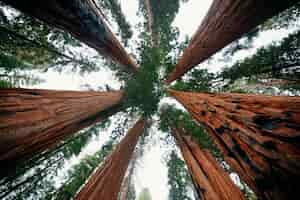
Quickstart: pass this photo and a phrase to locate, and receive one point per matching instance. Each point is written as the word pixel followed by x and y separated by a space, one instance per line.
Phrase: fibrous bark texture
pixel 106 182
pixel 32 120
pixel 81 18
pixel 258 136
pixel 210 179
pixel 226 21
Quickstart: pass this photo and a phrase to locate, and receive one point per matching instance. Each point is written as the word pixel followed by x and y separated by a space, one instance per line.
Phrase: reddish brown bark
pixel 226 21
pixel 81 18
pixel 211 181
pixel 258 135
pixel 32 120
pixel 106 182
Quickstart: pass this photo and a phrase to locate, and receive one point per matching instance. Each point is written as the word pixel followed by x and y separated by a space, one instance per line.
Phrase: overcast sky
pixel 153 173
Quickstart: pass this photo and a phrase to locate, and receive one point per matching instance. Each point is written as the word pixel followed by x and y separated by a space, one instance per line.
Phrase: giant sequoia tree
pixel 83 20
pixel 105 183
pixel 255 136
pixel 226 21
pixel 35 120
pixel 211 181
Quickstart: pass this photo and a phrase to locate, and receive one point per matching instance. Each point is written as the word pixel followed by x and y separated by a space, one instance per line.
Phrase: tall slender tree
pixel 178 178
pixel 258 135
pixel 106 182
pixel 150 24
pixel 33 120
pixel 83 20
pixel 226 20
pixel 211 181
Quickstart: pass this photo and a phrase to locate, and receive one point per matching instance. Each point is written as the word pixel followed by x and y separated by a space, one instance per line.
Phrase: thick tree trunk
pixel 33 120
pixel 81 18
pixel 211 181
pixel 226 21
pixel 106 182
pixel 258 135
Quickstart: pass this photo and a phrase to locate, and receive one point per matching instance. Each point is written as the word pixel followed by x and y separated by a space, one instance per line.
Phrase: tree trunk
pixel 32 121
pixel 106 182
pixel 258 135
pixel 211 181
pixel 226 21
pixel 128 179
pixel 150 18
pixel 81 18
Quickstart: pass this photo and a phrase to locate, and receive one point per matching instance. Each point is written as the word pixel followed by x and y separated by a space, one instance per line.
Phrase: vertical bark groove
pixel 106 182
pixel 32 120
pixel 226 21
pixel 258 135
pixel 81 18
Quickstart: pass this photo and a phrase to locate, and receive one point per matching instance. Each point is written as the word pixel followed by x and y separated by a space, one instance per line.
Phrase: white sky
pixel 153 173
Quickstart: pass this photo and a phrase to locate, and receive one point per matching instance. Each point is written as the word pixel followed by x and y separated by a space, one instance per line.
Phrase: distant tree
pixel 270 61
pixel 178 178
pixel 78 174
pixel 198 80
pixel 145 195
pixel 34 178
pixel 143 91
pixel 114 8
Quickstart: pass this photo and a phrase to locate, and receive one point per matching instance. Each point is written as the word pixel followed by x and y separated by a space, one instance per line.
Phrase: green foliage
pixel 164 13
pixel 144 90
pixel 5 84
pixel 114 8
pixel 13 73
pixel 178 178
pixel 198 80
pixel 79 173
pixel 172 117
pixel 245 43
pixel 268 60
pixel 145 195
pixel 41 47
pixel 285 19
pixel 34 179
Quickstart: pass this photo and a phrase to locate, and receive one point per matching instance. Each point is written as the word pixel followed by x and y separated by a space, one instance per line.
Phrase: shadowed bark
pixel 226 21
pixel 210 180
pixel 32 121
pixel 258 135
pixel 81 18
pixel 106 182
